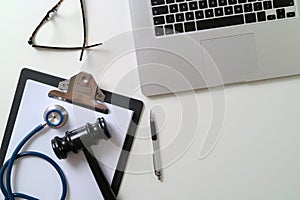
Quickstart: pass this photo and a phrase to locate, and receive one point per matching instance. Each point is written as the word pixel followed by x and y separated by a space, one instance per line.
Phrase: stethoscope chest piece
pixel 55 116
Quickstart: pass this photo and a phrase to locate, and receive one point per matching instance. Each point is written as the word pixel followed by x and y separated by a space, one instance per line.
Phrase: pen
pixel 156 156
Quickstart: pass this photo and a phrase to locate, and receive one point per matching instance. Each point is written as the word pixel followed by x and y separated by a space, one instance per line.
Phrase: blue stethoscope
pixel 55 117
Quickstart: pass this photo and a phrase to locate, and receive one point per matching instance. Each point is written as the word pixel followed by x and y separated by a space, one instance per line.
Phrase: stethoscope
pixel 55 117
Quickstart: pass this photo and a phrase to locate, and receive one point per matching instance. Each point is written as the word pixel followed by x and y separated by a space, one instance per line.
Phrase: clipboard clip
pixel 82 90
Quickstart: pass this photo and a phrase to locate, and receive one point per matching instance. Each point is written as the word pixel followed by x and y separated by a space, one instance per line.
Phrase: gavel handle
pixel 103 184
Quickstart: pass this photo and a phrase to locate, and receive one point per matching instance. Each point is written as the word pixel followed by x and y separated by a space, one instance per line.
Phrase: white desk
pixel 257 154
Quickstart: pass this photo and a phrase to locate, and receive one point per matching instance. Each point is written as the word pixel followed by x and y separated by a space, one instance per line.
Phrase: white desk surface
pixel 256 156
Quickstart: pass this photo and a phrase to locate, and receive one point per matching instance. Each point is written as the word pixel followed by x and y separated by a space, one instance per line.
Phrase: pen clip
pixel 82 90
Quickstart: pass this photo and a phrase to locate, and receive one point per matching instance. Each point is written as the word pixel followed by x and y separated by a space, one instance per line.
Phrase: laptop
pixel 192 44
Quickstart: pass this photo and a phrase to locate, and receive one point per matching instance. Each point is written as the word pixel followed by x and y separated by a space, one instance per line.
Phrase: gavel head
pixel 82 137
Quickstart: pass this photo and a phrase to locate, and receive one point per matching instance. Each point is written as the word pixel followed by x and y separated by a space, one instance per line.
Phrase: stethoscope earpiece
pixel 55 116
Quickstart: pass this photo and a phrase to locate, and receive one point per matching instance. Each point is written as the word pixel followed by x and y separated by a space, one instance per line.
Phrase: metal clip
pixel 82 90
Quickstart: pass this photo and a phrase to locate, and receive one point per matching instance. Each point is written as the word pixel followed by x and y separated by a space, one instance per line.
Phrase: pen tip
pixel 159 178
pixel 158 174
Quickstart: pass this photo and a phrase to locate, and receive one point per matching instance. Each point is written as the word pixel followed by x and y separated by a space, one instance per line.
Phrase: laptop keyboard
pixel 179 16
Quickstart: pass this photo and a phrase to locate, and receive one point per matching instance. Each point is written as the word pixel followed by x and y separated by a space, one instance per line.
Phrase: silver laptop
pixel 191 44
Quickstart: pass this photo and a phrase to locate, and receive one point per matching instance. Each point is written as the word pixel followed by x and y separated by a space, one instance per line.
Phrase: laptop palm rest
pixel 229 59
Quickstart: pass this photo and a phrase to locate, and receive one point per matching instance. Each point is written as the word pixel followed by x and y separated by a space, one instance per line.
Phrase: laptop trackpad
pixel 234 58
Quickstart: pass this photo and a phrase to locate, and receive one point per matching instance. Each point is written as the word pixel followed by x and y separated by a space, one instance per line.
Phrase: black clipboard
pixel 122 101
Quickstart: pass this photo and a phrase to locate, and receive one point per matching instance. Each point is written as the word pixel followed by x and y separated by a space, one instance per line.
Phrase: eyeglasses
pixel 48 16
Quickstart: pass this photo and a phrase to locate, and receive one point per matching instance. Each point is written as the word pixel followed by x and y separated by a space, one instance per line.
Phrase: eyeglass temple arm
pixel 45 19
pixel 84 29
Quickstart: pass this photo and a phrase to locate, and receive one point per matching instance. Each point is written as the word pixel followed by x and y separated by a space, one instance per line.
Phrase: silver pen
pixel 156 154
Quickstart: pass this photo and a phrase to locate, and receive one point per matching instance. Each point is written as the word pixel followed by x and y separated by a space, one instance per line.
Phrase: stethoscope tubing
pixel 8 165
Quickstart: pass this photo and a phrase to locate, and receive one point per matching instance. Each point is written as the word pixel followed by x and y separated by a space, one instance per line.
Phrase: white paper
pixel 36 177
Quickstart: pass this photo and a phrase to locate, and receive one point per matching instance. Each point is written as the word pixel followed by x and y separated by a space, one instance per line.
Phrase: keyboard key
pixel 219 12
pixel 193 5
pixel 271 17
pixel 203 4
pixel 291 14
pixel 179 17
pixel 242 1
pixel 199 14
pixel 160 10
pixel 178 28
pixel 282 3
pixel 250 17
pixel 159 20
pixel 248 7
pixel 173 8
pixel 189 16
pixel 238 9
pixel 232 2
pixel 222 2
pixel 169 29
pixel 157 2
pixel 209 13
pixel 220 22
pixel 189 26
pixel 212 3
pixel 267 5
pixel 159 31
pixel 261 16
pixel 179 0
pixel 280 13
pixel 183 7
pixel 228 10
pixel 251 1
pixel 257 6
pixel 170 1
pixel 170 18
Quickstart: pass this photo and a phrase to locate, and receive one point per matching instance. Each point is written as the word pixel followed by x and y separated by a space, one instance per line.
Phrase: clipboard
pixel 122 102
